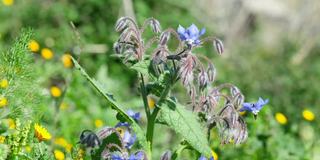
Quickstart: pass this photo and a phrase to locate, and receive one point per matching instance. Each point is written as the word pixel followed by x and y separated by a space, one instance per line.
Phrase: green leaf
pixel 185 123
pixel 142 67
pixel 137 129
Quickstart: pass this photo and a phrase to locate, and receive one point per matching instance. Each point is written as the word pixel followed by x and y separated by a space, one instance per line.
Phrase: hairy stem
pixel 153 116
pixel 144 97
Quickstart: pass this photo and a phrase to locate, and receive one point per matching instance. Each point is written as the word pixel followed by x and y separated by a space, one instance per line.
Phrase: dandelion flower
pixel 59 155
pixel 66 60
pixel 151 102
pixel 308 115
pixel 63 143
pixel 34 46
pixel 55 91
pixel 3 102
pixel 11 123
pixel 41 133
pixel 46 53
pixel 98 123
pixel 281 118
pixel 2 138
pixel 8 2
pixel 4 83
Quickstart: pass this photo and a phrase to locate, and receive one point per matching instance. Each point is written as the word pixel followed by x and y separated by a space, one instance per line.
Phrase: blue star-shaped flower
pixel 191 35
pixel 254 107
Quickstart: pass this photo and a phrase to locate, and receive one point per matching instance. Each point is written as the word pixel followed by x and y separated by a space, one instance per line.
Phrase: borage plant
pixel 210 105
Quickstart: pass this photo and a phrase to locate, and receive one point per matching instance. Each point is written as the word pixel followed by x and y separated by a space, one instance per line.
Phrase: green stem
pixel 153 116
pixel 144 97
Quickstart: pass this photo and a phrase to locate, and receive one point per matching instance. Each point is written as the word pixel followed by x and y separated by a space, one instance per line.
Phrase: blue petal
pixel 193 31
pixel 122 124
pixel 181 30
pixel 140 155
pixel 246 107
pixel 116 157
pixel 203 30
pixel 202 158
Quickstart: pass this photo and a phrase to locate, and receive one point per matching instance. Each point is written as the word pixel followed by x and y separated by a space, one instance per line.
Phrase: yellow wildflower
pixel 64 106
pixel 2 138
pixel 308 115
pixel 46 53
pixel 55 91
pixel 28 149
pixel 66 60
pixel 11 123
pixel 63 143
pixel 34 46
pixel 98 123
pixel 8 2
pixel 59 155
pixel 214 155
pixel 41 133
pixel 4 83
pixel 281 118
pixel 151 102
pixel 3 101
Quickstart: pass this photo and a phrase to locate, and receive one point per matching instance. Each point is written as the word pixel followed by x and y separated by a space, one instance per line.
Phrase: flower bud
pixel 238 100
pixel 203 79
pixel 234 91
pixel 211 72
pixel 117 47
pixel 166 156
pixel 164 37
pixel 218 46
pixel 155 26
pixel 121 24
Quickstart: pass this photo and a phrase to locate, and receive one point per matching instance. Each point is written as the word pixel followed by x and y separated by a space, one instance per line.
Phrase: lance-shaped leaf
pixel 185 123
pixel 137 129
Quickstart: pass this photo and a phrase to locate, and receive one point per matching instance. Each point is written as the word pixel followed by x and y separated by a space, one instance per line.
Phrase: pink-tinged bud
pixel 121 24
pixel 203 79
pixel 155 26
pixel 218 46
pixel 212 72
pixel 234 91
pixel 164 37
pixel 186 70
pixel 238 100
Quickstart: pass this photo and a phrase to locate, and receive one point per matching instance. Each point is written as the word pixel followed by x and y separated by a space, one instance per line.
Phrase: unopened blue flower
pixel 204 158
pixel 134 115
pixel 254 107
pixel 191 35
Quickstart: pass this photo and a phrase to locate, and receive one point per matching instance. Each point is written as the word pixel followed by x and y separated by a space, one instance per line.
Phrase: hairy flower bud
pixel 155 26
pixel 218 46
pixel 238 100
pixel 117 47
pixel 234 91
pixel 211 72
pixel 164 37
pixel 121 24
pixel 166 156
pixel 203 79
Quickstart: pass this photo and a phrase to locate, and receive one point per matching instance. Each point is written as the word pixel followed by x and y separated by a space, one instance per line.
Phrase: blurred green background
pixel 272 50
